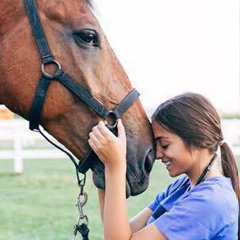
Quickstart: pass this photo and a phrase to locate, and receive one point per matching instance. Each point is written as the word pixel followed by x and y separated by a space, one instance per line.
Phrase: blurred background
pixel 170 47
pixel 166 48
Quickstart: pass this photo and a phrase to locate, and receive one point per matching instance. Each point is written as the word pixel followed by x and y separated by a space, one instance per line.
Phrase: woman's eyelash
pixel 165 146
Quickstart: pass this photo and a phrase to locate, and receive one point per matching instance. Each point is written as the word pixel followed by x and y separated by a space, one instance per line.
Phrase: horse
pixel 77 41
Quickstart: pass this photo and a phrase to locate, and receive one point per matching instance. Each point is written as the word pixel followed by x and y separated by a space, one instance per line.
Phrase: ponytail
pixel 230 169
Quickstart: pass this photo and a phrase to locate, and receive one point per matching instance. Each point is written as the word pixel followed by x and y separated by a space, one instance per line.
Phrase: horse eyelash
pixel 80 41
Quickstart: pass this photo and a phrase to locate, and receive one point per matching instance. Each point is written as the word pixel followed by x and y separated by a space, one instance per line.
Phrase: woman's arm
pixel 139 221
pixel 112 152
pixel 101 196
pixel 116 223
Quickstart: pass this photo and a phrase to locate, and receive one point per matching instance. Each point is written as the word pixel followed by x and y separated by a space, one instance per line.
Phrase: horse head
pixel 77 42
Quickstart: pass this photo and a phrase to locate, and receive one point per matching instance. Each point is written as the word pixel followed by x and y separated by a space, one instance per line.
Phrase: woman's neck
pixel 201 163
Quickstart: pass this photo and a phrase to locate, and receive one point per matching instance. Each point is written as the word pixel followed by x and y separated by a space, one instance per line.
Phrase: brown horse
pixel 79 44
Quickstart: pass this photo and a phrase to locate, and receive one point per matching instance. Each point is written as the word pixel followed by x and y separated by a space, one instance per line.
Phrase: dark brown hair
pixel 193 118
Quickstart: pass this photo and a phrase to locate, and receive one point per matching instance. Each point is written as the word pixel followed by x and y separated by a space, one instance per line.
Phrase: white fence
pixel 25 143
pixel 22 141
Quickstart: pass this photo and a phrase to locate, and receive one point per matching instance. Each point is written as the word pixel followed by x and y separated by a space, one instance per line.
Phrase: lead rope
pixel 82 220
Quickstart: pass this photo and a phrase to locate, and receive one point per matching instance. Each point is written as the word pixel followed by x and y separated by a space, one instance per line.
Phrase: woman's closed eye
pixel 164 146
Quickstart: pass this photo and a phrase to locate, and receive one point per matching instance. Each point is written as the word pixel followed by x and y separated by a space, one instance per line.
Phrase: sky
pixel 168 47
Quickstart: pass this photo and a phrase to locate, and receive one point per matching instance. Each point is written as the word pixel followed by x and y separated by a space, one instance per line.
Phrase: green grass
pixel 40 203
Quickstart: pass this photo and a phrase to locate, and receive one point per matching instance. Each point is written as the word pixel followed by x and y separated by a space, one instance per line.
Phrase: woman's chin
pixel 173 174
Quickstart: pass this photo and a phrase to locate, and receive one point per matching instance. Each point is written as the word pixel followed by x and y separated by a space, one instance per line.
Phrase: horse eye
pixel 87 37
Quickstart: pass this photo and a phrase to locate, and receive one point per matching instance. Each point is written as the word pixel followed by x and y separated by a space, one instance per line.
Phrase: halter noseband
pixel 62 77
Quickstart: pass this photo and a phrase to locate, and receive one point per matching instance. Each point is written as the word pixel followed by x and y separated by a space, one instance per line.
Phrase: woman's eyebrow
pixel 160 138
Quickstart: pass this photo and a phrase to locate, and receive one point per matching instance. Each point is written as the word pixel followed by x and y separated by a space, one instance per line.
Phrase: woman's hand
pixel 110 149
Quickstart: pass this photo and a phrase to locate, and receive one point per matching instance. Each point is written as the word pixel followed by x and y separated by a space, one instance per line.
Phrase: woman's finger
pixel 104 130
pixel 93 142
pixel 93 138
pixel 98 134
pixel 90 142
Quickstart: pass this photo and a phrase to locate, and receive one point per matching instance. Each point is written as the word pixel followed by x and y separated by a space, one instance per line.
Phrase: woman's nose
pixel 159 153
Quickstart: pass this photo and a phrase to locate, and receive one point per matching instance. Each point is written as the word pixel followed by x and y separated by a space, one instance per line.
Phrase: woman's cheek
pixel 170 152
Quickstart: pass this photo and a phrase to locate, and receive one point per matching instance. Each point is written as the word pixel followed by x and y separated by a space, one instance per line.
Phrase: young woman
pixel 202 205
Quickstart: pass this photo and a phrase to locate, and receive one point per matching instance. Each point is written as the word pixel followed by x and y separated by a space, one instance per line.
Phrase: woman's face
pixel 172 151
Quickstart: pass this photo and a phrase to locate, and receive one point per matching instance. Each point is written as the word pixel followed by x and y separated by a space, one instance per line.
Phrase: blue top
pixel 209 211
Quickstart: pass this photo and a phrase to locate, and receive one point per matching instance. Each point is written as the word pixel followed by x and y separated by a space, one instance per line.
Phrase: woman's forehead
pixel 160 132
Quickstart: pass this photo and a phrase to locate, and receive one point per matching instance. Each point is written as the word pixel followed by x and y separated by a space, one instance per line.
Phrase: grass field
pixel 40 203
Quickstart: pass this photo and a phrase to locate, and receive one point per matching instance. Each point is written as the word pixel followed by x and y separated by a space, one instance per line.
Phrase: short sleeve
pixel 197 216
pixel 153 205
pixel 162 195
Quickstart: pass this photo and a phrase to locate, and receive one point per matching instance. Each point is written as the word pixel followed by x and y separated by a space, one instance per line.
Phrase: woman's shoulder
pixel 215 193
pixel 171 188
pixel 215 186
pixel 178 183
pixel 208 209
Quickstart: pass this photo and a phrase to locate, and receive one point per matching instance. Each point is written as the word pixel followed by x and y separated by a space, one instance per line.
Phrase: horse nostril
pixel 149 161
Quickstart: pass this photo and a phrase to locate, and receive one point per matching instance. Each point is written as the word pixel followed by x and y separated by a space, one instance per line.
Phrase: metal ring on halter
pixel 114 117
pixel 47 75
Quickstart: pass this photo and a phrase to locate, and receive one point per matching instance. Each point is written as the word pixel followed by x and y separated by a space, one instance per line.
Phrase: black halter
pixel 62 77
